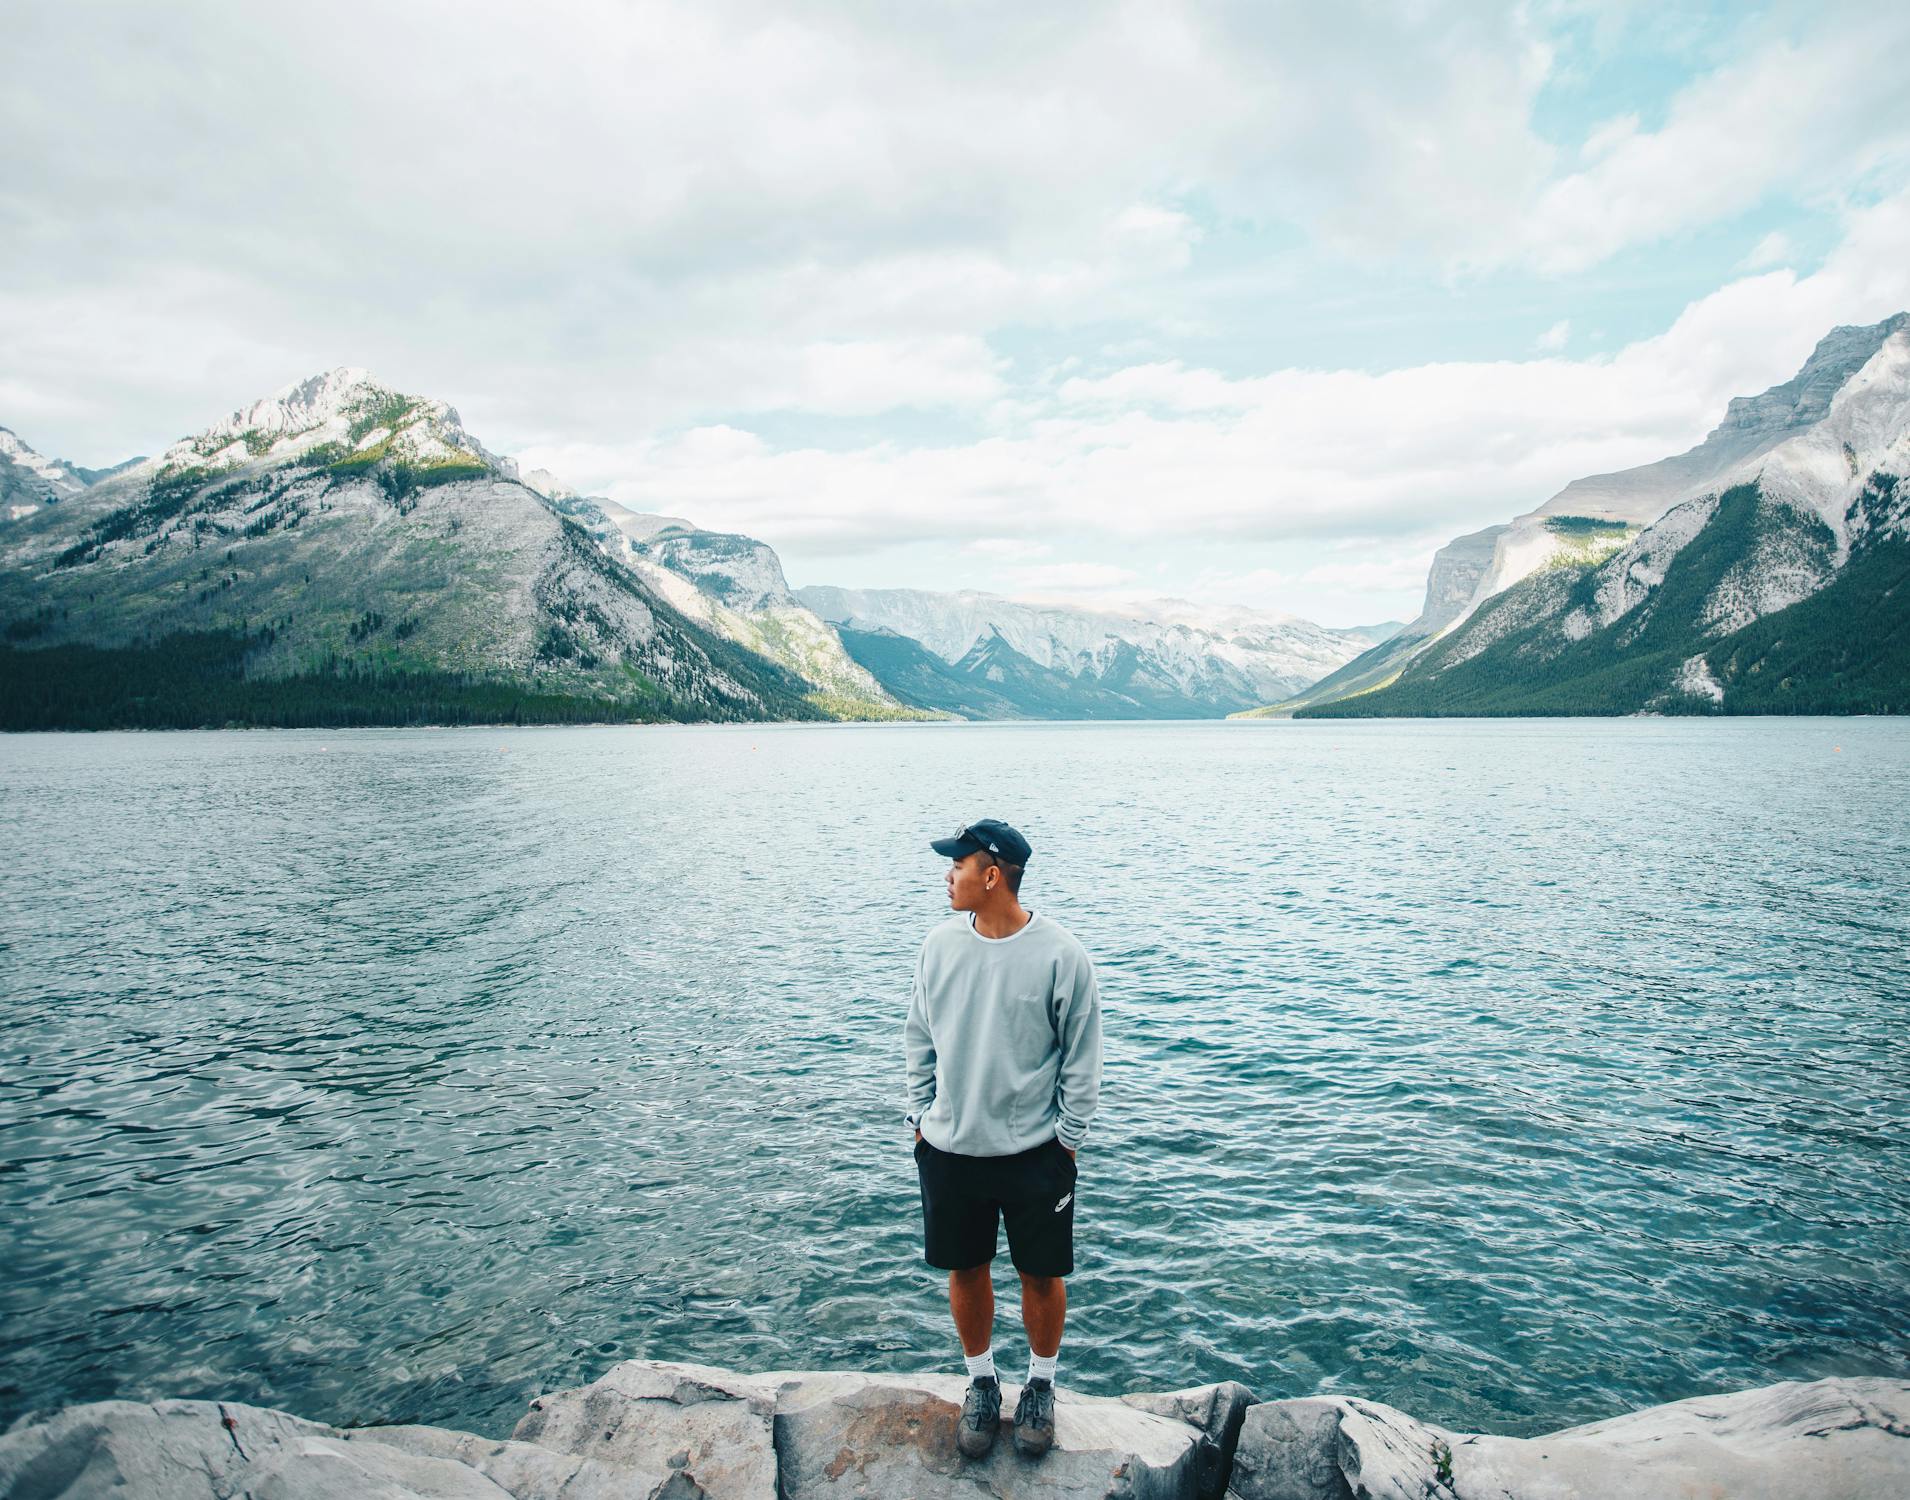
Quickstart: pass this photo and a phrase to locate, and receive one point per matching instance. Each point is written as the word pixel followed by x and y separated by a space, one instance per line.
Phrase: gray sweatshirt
pixel 1003 1039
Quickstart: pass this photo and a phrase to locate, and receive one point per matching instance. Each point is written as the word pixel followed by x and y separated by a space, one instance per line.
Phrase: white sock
pixel 1042 1366
pixel 981 1364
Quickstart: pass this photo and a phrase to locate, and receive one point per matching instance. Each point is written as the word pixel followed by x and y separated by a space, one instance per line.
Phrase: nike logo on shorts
pixel 1064 1203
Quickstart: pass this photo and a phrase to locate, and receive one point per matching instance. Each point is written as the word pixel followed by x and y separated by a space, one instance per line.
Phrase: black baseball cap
pixel 1005 843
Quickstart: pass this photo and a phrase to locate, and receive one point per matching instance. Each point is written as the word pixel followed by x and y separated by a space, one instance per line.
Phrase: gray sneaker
pixel 981 1417
pixel 1034 1418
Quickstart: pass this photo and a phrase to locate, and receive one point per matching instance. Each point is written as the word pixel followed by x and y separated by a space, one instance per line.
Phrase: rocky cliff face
pixel 1451 583
pixel 1590 564
pixel 345 413
pixel 664 1431
pixel 29 480
pixel 1740 603
pixel 342 526
pixel 1752 425
pixel 734 586
pixel 1457 570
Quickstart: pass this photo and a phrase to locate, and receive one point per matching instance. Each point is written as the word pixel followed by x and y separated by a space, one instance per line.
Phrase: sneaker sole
pixel 1033 1447
pixel 973 1444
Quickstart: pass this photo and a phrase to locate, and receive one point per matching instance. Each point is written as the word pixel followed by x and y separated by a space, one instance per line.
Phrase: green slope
pixel 198 680
pixel 295 594
pixel 1373 665
pixel 1844 650
pixel 1841 650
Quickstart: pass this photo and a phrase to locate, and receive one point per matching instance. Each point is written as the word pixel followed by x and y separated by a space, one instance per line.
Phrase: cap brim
pixel 954 848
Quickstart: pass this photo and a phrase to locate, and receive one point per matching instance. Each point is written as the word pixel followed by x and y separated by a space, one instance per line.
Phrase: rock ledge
pixel 657 1430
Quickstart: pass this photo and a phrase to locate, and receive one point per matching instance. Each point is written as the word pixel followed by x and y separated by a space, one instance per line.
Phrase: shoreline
pixel 668 1430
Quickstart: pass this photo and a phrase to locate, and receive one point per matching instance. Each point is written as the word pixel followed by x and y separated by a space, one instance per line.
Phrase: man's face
pixel 969 881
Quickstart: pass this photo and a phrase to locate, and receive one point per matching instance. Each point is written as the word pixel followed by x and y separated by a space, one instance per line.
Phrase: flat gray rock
pixel 526 1471
pixel 855 1435
pixel 183 1450
pixel 1823 1440
pixel 712 1427
pixel 664 1431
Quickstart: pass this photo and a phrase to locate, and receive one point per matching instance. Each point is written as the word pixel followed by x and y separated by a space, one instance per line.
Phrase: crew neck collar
pixel 1033 917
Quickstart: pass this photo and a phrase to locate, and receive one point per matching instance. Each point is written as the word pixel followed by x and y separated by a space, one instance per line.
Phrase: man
pixel 1003 1047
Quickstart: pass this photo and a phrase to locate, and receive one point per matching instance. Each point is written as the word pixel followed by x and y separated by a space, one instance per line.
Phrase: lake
pixel 1516 1073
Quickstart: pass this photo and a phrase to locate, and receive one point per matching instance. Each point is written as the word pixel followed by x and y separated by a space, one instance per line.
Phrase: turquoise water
pixel 1515 1073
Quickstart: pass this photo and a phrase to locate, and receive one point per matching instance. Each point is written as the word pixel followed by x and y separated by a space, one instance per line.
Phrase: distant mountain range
pixel 985 656
pixel 1763 571
pixel 342 552
pixel 28 480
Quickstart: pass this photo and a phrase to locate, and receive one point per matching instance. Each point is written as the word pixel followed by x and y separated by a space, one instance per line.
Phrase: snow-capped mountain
pixel 1633 498
pixel 1451 584
pixel 1156 657
pixel 734 586
pixel 341 542
pixel 345 412
pixel 29 480
pixel 1792 503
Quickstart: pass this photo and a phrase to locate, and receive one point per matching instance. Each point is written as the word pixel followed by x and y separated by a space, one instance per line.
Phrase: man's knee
pixel 971 1274
pixel 1042 1285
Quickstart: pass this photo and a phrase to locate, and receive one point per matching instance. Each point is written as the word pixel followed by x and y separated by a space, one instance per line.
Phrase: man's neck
pixel 1001 921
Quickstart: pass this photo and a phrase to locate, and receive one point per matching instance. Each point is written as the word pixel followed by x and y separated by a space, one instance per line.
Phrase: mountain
pixel 342 552
pixel 94 476
pixel 992 680
pixel 1761 572
pixel 1009 658
pixel 917 676
pixel 734 586
pixel 29 480
pixel 1457 569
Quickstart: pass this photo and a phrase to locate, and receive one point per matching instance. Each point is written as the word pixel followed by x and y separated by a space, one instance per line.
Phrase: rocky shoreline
pixel 657 1430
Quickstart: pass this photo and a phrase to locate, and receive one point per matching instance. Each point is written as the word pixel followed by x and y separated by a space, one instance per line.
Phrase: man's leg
pixel 1044 1308
pixel 971 1298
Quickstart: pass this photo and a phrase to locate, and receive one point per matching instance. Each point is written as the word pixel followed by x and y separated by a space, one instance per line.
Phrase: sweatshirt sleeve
pixel 918 1050
pixel 1078 1086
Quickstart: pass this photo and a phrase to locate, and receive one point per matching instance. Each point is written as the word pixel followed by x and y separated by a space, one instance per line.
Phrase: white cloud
pixel 1007 546
pixel 1810 117
pixel 613 241
pixel 1068 576
pixel 1604 140
pixel 1164 385
pixel 1249 583
pixel 646 218
pixel 655 215
pixel 868 375
pixel 1163 237
pixel 1160 452
pixel 1382 575
pixel 1775 249
pixel 1387 578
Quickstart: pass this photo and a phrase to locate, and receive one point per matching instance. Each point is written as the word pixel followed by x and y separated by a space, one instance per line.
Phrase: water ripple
pixel 1514 1073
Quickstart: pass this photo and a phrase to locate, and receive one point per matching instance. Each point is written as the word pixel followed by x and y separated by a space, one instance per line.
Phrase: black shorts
pixel 965 1197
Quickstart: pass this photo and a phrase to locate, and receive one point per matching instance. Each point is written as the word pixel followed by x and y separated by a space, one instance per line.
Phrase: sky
pixel 1241 303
